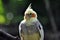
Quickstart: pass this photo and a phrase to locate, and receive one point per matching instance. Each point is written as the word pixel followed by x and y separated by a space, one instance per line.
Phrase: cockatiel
pixel 30 28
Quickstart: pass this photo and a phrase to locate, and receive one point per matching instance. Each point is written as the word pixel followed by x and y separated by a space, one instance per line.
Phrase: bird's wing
pixel 40 28
pixel 20 27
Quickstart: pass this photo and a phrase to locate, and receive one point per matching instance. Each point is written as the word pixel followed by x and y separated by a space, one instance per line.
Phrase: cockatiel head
pixel 29 13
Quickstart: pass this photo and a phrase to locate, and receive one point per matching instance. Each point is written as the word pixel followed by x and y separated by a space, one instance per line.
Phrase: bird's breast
pixel 34 36
pixel 28 30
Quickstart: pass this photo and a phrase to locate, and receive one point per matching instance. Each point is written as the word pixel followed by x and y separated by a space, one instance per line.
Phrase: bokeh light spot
pixel 10 16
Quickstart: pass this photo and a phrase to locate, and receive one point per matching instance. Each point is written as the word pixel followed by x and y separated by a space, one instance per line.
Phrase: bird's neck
pixel 30 21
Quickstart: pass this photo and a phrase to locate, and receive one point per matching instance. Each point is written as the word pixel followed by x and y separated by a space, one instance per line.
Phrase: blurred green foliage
pixel 2 19
pixel 2 12
pixel 1 7
pixel 17 8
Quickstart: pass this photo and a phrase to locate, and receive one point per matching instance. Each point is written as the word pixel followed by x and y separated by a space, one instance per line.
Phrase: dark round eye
pixel 30 13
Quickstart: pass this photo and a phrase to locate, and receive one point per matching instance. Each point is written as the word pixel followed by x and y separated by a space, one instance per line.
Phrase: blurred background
pixel 12 12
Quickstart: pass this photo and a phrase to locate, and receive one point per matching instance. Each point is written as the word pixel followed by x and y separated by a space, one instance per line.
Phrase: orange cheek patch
pixel 33 15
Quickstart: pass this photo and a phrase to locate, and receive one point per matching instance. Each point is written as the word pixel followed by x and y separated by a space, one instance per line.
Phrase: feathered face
pixel 29 13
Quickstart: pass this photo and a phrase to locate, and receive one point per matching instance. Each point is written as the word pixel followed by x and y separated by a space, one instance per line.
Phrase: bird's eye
pixel 30 13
